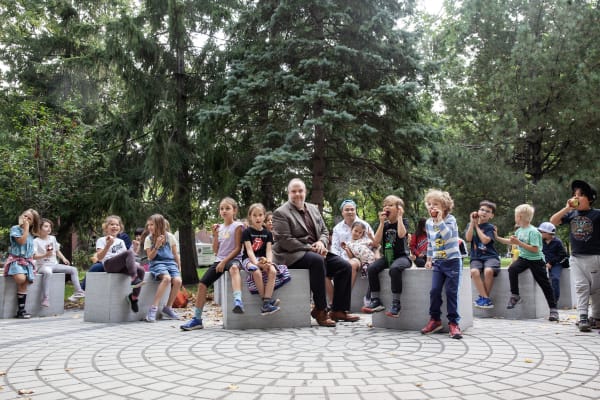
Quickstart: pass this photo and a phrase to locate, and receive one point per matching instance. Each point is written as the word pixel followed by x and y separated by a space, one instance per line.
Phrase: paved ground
pixel 66 358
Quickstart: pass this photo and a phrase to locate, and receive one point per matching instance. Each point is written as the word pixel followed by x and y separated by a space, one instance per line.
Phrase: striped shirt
pixel 442 239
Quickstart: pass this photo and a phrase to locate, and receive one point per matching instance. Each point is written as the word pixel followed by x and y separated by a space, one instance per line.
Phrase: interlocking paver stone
pixel 64 357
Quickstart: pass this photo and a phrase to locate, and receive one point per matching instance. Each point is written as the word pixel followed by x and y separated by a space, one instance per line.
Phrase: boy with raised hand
pixel 484 257
pixel 530 243
pixel 584 226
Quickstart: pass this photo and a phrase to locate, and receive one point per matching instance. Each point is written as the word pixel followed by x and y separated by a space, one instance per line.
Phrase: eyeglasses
pixel 483 210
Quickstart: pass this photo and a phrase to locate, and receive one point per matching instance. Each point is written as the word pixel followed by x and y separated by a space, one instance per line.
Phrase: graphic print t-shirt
pixel 584 231
pixel 258 239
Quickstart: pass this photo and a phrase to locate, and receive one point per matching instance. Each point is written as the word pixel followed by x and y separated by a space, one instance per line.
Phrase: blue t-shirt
pixel 479 250
pixel 584 231
pixel 25 250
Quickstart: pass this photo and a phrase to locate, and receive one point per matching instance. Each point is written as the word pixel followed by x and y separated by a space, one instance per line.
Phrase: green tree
pixel 521 78
pixel 329 91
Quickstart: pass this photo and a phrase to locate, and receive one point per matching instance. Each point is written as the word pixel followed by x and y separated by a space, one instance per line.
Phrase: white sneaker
pixel 77 295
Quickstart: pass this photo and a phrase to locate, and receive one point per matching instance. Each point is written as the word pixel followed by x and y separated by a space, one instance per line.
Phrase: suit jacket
pixel 291 236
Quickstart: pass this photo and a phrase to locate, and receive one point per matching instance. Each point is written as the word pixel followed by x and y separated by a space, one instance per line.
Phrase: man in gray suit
pixel 301 239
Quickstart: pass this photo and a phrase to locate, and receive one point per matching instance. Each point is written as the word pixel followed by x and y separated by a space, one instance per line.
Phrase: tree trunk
pixel 182 197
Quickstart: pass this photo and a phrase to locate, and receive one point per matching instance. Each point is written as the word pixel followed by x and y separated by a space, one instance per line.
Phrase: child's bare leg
pixel 488 277
pixel 165 282
pixel 476 278
pixel 175 286
pixel 236 278
pixel 271 275
pixel 355 264
pixel 200 296
pixel 22 283
pixel 258 281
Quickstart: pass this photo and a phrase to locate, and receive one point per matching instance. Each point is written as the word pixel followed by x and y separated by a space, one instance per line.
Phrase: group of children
pixel 27 254
pixel 435 246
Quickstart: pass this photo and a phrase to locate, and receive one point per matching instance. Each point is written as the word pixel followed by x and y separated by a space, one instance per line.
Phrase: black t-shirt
pixel 584 231
pixel 390 237
pixel 258 239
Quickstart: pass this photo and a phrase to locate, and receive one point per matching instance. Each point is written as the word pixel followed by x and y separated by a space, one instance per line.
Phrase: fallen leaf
pixel 2 373
pixel 528 360
pixel 419 384
pixel 233 387
pixel 68 369
pixel 25 391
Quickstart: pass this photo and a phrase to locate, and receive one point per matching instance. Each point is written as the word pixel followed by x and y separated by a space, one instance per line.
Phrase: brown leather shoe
pixel 322 318
pixel 343 316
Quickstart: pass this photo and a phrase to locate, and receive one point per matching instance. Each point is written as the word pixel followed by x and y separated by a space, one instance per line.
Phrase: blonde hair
pixel 526 211
pixel 441 196
pixel 107 222
pixel 256 206
pixel 393 201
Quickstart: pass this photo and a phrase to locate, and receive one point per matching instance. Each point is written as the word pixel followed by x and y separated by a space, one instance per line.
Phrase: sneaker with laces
pixel 133 303
pixel 137 282
pixel 168 313
pixel 431 327
pixel 479 302
pixel 238 306
pixel 394 311
pixel 192 324
pixel 268 308
pixel 274 302
pixel 553 315
pixel 455 332
pixel 584 324
pixel 373 306
pixel 513 301
pixel 77 295
pixel 151 316
pixel 45 302
pixel 487 303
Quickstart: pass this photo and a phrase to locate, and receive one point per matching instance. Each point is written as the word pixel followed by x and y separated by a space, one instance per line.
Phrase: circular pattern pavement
pixel 66 358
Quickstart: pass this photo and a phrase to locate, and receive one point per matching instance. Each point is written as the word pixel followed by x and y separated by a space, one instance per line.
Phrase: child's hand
pixel 428 264
pixel 215 229
pixel 343 245
pixel 220 267
pixel 400 212
pixel 514 240
pixel 383 215
pixel 109 241
pixel 475 217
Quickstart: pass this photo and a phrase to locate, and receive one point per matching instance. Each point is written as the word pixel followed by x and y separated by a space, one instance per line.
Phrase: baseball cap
pixel 547 227
pixel 588 190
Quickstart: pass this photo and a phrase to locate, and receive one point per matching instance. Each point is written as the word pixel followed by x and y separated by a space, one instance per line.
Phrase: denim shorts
pixel 164 269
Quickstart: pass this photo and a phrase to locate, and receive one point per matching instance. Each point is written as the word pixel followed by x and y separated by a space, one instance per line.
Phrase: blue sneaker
pixel 274 302
pixel 192 324
pixel 238 307
pixel 479 302
pixel 267 309
pixel 487 303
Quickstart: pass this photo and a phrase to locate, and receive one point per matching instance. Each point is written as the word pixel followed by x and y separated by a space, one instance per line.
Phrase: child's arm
pixel 215 236
pixel 515 240
pixel 250 252
pixel 60 255
pixel 401 227
pixel 21 240
pixel 502 240
pixel 379 232
pixel 175 253
pixel 270 252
